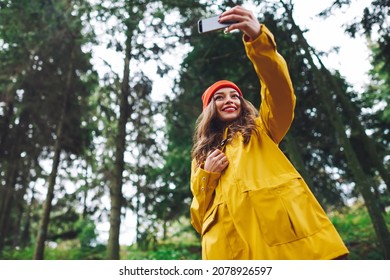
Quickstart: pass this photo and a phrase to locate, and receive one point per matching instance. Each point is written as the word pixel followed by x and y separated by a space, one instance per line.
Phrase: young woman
pixel 249 202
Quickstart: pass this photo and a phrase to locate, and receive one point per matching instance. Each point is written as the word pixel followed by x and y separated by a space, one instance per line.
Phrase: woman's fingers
pixel 216 161
pixel 247 22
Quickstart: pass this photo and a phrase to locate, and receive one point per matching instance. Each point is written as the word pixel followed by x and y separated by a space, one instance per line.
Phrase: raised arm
pixel 277 94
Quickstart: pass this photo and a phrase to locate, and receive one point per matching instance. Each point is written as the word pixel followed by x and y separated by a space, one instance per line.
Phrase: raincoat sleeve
pixel 277 93
pixel 203 184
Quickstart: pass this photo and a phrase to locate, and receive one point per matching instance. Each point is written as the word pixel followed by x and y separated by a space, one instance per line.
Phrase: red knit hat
pixel 209 92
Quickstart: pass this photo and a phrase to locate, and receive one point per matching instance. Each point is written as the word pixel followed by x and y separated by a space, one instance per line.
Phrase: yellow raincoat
pixel 260 207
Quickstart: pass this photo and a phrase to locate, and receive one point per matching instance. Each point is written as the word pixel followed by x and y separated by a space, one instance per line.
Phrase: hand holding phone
pixel 245 19
pixel 212 24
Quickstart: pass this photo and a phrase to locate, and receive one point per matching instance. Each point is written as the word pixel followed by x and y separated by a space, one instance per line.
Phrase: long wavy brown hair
pixel 209 129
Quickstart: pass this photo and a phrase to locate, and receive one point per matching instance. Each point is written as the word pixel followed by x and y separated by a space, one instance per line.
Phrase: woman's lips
pixel 229 109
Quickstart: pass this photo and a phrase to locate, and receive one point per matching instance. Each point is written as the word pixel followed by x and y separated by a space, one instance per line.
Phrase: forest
pixel 86 147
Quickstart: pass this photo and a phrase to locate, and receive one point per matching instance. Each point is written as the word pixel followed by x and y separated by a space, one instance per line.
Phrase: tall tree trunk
pixel 138 215
pixel 85 192
pixel 25 235
pixel 116 196
pixel 363 182
pixel 6 195
pixel 165 230
pixel 358 130
pixel 293 152
pixel 20 205
pixel 9 96
pixel 8 192
pixel 17 217
pixel 296 157
pixel 45 218
pixel 44 222
pixel 11 160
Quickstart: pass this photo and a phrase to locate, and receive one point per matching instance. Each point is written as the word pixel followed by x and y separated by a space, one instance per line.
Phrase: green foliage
pixel 355 228
pixel 97 252
pixel 44 70
pixel 165 251
pixel 17 253
pixel 373 22
pixel 69 250
pixel 87 233
pixel 72 250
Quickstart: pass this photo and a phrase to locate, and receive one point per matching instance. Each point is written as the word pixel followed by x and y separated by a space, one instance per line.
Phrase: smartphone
pixel 211 24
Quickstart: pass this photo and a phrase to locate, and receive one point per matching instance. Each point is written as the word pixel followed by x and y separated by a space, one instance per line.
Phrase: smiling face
pixel 228 104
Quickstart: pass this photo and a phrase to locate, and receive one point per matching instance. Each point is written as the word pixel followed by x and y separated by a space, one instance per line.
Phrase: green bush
pixel 165 251
pixel 355 228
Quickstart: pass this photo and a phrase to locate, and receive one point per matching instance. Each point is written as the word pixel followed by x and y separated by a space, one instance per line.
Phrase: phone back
pixel 211 24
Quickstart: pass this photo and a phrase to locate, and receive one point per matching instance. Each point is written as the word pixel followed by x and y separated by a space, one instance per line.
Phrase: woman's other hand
pixel 216 161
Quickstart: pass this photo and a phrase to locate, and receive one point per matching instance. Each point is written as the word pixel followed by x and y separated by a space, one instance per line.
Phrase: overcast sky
pixel 353 58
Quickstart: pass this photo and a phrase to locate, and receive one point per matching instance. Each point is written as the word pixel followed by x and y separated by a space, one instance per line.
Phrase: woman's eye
pixel 218 97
